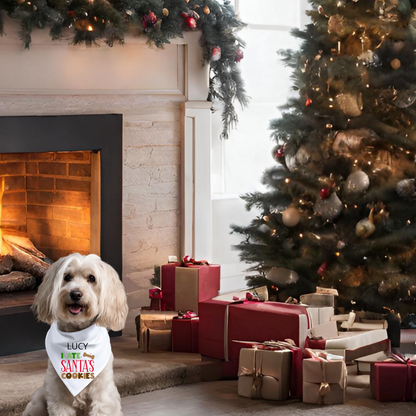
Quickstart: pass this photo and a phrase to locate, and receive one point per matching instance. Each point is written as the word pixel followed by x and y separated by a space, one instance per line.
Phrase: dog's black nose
pixel 76 295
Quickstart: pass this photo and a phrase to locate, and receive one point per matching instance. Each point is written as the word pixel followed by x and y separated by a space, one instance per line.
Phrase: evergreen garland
pixel 93 21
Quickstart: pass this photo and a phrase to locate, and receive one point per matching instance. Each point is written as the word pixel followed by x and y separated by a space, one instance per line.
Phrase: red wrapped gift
pixel 296 385
pixel 393 381
pixel 184 287
pixel 222 321
pixel 185 335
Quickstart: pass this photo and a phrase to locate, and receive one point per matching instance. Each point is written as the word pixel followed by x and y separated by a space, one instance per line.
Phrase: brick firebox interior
pixel 50 196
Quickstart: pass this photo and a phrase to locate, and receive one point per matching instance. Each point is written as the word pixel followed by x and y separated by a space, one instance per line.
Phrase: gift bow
pixel 187 315
pixel 189 261
pixel 155 293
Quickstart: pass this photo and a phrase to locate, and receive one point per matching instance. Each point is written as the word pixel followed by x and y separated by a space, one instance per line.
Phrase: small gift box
pixel 393 380
pixel 186 284
pixel 320 315
pixel 264 374
pixel 295 385
pixel 185 334
pixel 324 379
pixel 154 330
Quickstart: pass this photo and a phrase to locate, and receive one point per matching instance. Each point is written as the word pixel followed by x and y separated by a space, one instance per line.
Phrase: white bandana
pixel 78 357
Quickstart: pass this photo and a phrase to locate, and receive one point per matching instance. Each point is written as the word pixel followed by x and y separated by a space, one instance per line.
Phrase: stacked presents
pixel 277 350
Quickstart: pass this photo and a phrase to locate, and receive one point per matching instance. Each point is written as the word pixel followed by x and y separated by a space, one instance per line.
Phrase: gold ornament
pixel 84 25
pixel 290 217
pixel 19 1
pixel 365 227
pixel 350 104
pixel 395 64
pixel 207 10
pixel 165 12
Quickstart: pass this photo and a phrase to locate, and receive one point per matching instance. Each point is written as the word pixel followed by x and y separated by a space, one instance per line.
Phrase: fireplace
pixel 60 192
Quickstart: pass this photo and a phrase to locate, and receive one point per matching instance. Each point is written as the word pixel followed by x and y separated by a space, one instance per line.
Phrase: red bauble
pixel 191 22
pixel 216 53
pixel 325 192
pixel 322 268
pixel 280 152
pixel 239 55
pixel 308 102
pixel 149 20
pixel 71 13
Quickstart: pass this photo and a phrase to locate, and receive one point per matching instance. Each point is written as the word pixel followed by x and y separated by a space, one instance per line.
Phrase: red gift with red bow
pixel 185 333
pixel 187 283
pixel 393 380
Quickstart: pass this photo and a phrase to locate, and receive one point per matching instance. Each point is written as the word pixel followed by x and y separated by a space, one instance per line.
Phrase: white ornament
pixel 291 217
pixel 357 182
pixel 281 276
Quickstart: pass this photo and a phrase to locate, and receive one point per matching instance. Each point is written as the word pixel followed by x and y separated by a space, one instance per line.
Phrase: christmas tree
pixel 340 209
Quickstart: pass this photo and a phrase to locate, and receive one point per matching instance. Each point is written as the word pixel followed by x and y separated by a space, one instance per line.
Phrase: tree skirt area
pixel 220 398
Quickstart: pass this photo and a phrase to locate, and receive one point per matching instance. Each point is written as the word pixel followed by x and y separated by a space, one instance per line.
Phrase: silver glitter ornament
pixel 329 209
pixel 406 189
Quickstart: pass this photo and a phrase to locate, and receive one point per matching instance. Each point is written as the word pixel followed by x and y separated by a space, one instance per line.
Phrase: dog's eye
pixel 91 279
pixel 67 278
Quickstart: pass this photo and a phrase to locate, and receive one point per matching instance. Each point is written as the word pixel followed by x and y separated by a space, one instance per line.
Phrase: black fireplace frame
pixel 19 331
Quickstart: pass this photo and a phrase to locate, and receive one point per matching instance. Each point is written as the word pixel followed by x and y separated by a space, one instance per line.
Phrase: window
pixel 238 163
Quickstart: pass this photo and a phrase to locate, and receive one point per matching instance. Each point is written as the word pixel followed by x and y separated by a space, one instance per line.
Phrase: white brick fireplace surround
pixel 166 137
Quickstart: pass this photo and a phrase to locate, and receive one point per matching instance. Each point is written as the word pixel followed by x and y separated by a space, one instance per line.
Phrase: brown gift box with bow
pixel 324 382
pixel 264 374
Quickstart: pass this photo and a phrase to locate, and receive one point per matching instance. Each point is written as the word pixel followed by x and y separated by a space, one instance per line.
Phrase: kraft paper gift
pixel 264 374
pixel 324 382
pixel 149 324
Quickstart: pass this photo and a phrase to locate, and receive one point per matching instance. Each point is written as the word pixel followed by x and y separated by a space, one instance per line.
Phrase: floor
pixel 220 398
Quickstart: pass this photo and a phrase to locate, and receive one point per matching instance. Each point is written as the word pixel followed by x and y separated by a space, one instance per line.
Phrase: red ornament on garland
pixel 322 268
pixel 71 13
pixel 149 20
pixel 325 192
pixel 216 53
pixel 191 22
pixel 239 55
pixel 308 102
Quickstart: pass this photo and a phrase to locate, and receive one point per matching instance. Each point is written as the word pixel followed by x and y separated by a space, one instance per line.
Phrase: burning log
pixel 18 253
pixel 17 281
pixel 24 261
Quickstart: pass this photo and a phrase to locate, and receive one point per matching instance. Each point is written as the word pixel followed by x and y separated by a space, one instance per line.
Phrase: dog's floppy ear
pixel 43 305
pixel 113 300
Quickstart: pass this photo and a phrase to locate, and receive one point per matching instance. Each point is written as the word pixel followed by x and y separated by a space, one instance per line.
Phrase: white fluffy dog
pixel 103 302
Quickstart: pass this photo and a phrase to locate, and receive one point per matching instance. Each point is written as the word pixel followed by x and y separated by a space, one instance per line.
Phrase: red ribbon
pixel 189 261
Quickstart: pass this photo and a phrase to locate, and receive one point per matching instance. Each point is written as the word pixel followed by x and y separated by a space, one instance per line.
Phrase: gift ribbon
pixel 189 261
